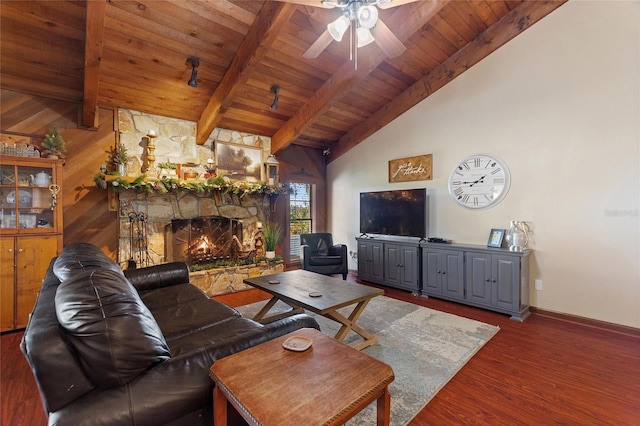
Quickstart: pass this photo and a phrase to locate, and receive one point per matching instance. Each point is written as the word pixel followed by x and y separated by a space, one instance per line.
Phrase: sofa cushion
pixel 82 257
pixel 112 331
pixel 188 317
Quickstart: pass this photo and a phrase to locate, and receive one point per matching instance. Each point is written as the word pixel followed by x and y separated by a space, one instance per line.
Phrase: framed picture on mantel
pixel 239 162
pixel 411 169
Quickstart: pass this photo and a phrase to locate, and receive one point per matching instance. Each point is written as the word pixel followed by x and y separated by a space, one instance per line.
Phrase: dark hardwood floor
pixel 545 371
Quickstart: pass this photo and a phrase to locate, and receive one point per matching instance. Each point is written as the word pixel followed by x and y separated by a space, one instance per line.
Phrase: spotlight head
pixel 275 90
pixel 194 63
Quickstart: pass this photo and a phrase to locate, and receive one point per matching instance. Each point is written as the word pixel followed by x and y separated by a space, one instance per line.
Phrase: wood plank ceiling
pixel 133 54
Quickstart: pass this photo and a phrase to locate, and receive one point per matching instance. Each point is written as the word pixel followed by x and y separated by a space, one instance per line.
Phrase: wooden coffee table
pixel 300 289
pixel 327 384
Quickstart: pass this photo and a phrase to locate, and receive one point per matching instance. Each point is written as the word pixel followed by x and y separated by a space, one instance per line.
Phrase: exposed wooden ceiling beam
pixel 92 57
pixel 512 24
pixel 405 22
pixel 261 35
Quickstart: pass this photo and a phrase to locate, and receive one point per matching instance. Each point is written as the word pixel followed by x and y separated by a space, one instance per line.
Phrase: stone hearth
pixel 229 280
pixel 143 241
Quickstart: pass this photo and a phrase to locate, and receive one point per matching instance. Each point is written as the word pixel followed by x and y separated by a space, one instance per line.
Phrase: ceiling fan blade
pixel 319 45
pixel 314 3
pixel 388 42
pixel 394 3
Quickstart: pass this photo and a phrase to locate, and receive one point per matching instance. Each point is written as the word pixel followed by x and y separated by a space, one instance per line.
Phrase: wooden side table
pixel 327 384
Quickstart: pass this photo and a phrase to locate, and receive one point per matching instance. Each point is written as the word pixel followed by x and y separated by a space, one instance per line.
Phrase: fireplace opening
pixel 203 240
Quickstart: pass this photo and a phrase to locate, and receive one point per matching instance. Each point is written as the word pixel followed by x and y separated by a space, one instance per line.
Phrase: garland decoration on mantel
pixel 164 185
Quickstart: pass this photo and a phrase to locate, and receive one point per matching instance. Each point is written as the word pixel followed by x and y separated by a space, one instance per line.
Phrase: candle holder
pixel 148 161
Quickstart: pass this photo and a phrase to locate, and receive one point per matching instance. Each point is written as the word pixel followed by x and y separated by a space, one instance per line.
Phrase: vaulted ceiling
pixel 133 54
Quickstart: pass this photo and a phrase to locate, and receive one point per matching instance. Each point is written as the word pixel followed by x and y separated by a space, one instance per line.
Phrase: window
pixel 300 212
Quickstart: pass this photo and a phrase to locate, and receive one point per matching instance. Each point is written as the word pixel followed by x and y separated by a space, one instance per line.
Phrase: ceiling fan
pixel 361 17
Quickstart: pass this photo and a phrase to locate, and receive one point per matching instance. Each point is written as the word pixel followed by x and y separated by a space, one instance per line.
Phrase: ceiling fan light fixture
pixel 338 27
pixel 367 16
pixel 364 36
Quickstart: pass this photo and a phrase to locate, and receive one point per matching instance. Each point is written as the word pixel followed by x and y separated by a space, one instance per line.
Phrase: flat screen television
pixel 396 212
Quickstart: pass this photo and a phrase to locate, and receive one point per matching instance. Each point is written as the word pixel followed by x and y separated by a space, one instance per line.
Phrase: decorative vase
pixel 517 236
pixel 270 254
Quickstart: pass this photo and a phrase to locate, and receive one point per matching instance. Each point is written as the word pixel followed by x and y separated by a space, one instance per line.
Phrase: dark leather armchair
pixel 319 254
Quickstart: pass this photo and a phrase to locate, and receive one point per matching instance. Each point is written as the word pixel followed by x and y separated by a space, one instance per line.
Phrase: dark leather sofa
pixel 109 347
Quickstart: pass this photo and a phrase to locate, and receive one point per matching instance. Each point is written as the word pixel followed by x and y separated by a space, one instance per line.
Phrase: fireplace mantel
pixel 159 209
pixel 164 185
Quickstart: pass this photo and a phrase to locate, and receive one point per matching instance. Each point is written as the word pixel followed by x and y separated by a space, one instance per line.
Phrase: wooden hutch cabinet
pixel 30 232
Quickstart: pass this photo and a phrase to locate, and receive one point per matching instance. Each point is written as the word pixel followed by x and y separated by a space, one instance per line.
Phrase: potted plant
pixel 272 233
pixel 54 146
pixel 120 158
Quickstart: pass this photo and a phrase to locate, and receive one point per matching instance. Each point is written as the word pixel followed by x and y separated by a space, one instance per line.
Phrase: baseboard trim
pixel 588 322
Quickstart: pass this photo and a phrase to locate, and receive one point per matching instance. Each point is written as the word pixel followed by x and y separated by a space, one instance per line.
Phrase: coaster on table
pixel 297 343
pixel 315 294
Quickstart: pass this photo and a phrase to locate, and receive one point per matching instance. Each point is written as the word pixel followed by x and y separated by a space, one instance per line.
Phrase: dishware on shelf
pixel 24 198
pixel 41 179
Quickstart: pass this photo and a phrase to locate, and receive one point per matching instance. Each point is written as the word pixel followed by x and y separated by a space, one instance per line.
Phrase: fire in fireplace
pixel 203 240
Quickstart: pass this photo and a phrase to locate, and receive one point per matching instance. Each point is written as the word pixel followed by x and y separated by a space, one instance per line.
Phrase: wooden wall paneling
pixel 85 210
pixel 86 214
pixel 33 115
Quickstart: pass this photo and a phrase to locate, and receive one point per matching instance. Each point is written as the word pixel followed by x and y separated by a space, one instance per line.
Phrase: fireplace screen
pixel 202 240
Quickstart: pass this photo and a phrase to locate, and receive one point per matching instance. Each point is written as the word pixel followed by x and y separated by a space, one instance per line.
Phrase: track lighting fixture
pixel 194 62
pixel 275 90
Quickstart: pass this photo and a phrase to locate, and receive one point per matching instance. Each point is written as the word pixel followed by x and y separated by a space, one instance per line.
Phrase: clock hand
pixel 479 180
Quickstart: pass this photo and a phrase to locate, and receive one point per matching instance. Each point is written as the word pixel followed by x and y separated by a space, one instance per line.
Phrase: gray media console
pixel 491 278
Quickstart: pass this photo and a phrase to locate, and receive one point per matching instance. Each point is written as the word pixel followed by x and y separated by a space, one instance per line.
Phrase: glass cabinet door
pixel 27 197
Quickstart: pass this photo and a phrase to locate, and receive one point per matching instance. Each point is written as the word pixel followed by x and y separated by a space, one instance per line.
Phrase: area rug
pixel 425 348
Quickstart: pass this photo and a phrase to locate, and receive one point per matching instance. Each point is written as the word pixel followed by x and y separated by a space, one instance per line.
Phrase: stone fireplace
pixel 205 240
pixel 197 228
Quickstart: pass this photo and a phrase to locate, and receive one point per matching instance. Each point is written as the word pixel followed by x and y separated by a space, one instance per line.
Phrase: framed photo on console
pixel 496 237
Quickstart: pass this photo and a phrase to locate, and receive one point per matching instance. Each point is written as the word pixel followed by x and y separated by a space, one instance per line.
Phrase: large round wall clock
pixel 479 181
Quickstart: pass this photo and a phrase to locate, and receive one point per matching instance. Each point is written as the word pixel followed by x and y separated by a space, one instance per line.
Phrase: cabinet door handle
pixel 10 250
pixel 20 250
pixel 493 281
pixel 444 272
pixel 488 280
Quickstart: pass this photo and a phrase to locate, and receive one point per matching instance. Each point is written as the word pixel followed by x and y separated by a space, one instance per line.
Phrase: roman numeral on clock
pixel 458 191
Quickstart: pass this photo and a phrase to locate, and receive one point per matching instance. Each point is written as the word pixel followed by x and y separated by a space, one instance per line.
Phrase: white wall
pixel 560 105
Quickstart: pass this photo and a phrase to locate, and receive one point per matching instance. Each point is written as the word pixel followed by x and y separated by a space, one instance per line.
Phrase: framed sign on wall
pixel 411 169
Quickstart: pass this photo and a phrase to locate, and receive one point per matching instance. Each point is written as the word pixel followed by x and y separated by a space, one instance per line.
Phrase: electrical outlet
pixel 538 284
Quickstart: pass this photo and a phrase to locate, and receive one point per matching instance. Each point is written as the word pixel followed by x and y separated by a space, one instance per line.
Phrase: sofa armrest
pixel 338 250
pixel 289 324
pixel 158 276
pixel 305 256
